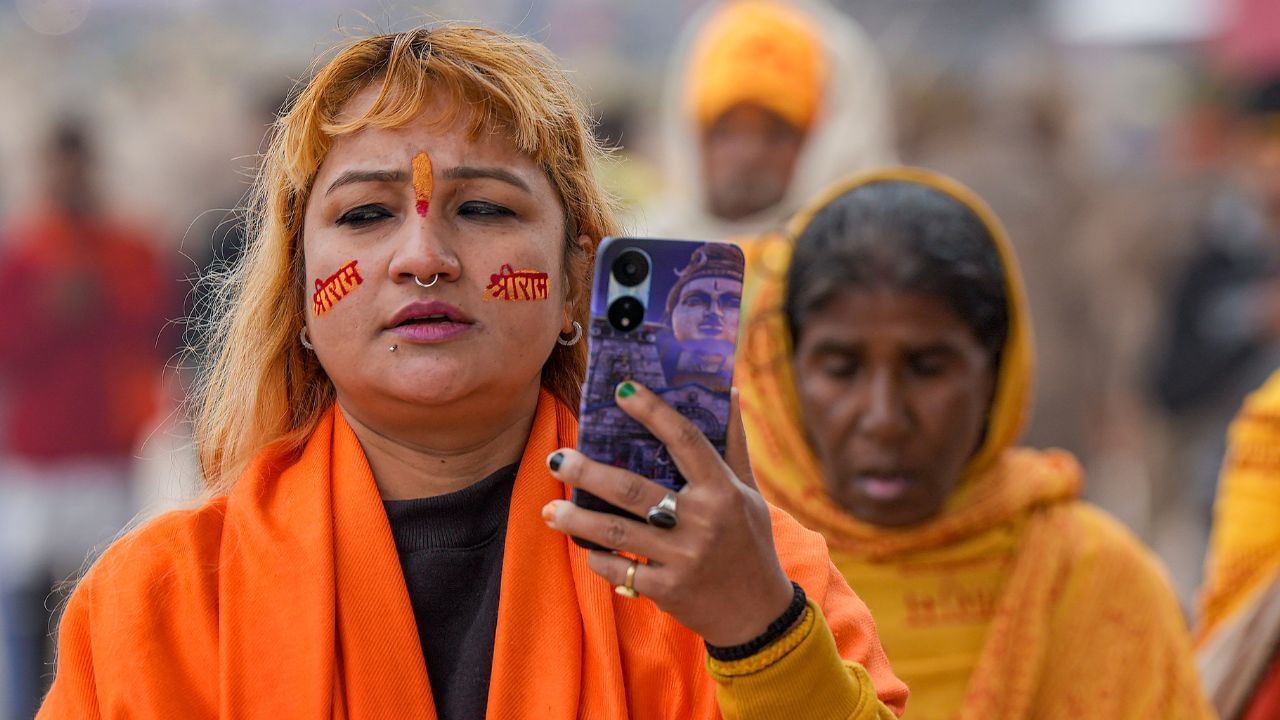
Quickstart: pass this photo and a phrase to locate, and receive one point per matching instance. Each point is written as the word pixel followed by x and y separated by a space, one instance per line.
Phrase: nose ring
pixel 434 279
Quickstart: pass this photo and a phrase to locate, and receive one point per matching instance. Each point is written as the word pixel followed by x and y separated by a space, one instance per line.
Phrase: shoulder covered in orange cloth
pixel 285 599
pixel 1071 617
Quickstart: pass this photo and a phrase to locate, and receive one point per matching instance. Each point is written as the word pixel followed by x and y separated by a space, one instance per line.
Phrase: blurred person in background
pixel 85 300
pixel 1221 317
pixel 1238 628
pixel 766 102
pixel 885 383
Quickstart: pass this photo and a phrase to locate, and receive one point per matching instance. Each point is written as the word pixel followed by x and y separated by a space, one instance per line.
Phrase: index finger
pixel 692 452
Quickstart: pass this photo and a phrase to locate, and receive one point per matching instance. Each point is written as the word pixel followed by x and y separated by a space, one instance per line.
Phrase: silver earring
pixel 306 343
pixel 434 278
pixel 577 335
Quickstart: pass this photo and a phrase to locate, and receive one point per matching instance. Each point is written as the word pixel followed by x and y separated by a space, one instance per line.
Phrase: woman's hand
pixel 716 571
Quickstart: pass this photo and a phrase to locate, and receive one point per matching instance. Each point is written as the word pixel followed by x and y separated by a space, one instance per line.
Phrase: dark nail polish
pixel 554 461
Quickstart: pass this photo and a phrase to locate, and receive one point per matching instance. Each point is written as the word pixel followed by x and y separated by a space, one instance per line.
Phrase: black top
pixel 450 549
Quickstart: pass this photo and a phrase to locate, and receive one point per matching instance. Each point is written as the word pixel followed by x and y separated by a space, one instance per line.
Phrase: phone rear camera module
pixel 631 268
pixel 626 314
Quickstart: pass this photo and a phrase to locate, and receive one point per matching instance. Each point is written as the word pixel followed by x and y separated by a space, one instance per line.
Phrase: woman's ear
pixel 578 278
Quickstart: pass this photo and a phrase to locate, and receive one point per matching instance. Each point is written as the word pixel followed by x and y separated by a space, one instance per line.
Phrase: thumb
pixel 735 451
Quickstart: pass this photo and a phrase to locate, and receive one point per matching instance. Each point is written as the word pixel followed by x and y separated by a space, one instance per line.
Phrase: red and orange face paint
pixel 335 287
pixel 508 284
pixel 422 182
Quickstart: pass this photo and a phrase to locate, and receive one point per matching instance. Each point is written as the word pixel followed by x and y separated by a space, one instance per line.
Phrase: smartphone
pixel 665 314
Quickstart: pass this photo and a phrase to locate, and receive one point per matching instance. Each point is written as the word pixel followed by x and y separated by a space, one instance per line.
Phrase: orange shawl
pixel 1049 608
pixel 1239 623
pixel 286 599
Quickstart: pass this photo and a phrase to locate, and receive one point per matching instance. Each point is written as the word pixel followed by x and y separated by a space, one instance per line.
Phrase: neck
pixel 411 462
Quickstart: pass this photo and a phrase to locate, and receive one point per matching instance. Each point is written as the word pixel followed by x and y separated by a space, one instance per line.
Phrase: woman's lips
pixel 884 487
pixel 429 322
pixel 431 332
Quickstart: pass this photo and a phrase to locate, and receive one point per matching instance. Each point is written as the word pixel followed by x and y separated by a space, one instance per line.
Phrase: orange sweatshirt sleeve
pixel 75 690
pixel 800 674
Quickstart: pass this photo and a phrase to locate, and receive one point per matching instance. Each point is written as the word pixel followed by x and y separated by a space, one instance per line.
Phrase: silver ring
pixel 577 335
pixel 434 279
pixel 663 515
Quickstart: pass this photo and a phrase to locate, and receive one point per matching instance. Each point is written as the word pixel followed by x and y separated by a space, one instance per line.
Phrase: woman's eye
pixel 484 210
pixel 840 367
pixel 363 215
pixel 927 365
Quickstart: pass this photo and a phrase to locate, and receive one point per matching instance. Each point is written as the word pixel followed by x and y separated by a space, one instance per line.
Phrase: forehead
pixel 865 314
pixel 448 143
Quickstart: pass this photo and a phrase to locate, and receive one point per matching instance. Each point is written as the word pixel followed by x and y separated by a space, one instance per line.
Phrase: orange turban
pixel 758 52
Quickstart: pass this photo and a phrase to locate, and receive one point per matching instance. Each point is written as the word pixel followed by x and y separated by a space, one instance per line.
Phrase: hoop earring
pixel 434 279
pixel 577 335
pixel 306 343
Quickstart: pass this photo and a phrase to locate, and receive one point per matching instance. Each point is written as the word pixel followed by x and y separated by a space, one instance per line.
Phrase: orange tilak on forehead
pixel 422 183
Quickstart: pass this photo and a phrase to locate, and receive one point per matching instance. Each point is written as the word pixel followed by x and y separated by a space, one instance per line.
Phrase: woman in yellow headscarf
pixel 1238 629
pixel 885 380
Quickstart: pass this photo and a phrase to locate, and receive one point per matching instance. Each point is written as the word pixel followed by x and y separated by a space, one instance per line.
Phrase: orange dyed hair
pixel 261 386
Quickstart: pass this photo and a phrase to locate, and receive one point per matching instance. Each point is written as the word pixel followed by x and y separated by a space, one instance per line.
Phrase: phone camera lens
pixel 631 268
pixel 626 314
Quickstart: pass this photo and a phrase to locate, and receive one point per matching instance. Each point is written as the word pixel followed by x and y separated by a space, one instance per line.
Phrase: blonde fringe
pixel 261 388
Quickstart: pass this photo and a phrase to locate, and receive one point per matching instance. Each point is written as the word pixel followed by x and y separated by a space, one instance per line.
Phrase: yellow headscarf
pixel 1244 552
pixel 1239 619
pixel 1064 614
pixel 759 52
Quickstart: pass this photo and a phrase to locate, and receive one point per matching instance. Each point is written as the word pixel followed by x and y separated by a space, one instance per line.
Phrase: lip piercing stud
pixel 393 348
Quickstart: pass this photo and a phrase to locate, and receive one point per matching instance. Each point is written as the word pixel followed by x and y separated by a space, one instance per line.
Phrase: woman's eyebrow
pixel 472 172
pixel 359 176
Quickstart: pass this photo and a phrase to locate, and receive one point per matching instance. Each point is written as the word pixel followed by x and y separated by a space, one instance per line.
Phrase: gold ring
pixel 628 589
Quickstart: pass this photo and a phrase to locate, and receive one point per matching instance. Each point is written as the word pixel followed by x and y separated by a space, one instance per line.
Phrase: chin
pixel 904 513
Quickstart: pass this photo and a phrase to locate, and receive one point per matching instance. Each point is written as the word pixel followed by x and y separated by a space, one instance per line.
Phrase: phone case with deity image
pixel 664 313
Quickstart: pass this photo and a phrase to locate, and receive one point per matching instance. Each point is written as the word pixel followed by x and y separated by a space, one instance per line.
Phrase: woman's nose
pixel 423 250
pixel 884 414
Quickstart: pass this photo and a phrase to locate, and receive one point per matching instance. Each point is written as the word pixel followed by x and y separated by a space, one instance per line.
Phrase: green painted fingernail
pixel 626 390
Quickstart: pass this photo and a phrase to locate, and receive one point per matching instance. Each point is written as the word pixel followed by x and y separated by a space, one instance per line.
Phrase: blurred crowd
pixel 1137 170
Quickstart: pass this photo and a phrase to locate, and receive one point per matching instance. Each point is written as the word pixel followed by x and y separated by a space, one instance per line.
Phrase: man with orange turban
pixel 767 102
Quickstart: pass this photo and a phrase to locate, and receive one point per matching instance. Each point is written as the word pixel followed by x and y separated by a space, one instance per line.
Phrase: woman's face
pixel 707 309
pixel 894 389
pixel 490 207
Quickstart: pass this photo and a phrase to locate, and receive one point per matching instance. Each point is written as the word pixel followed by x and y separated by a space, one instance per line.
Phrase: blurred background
pixel 1130 147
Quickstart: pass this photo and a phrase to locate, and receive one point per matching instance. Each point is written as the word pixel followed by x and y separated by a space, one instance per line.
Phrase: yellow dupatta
pixel 1008 603
pixel 1239 618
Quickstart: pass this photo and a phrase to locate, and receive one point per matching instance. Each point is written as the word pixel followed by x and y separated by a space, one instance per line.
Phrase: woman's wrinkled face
pixel 491 206
pixel 894 389
pixel 707 309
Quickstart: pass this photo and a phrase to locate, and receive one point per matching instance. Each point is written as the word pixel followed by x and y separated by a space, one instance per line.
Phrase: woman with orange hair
pixel 385 434
pixel 885 381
